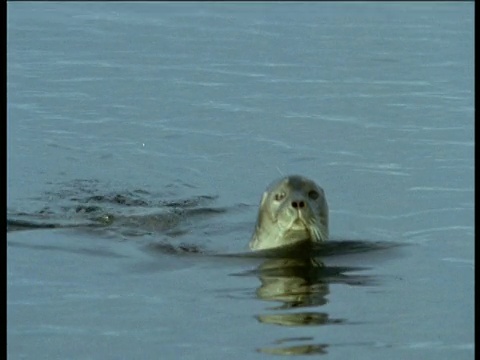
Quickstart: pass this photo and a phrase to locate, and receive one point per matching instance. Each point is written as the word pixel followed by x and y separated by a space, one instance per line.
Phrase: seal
pixel 293 209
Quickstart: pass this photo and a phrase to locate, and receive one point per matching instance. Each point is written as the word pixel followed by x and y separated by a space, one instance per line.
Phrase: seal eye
pixel 279 196
pixel 312 194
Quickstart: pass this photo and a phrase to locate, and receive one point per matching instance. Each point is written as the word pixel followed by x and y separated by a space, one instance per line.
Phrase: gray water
pixel 140 138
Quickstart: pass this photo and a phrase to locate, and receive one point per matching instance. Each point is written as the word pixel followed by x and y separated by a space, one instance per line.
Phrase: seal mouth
pixel 298 230
pixel 299 224
pixel 305 229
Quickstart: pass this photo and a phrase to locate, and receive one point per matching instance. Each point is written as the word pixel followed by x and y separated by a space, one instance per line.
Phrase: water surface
pixel 140 137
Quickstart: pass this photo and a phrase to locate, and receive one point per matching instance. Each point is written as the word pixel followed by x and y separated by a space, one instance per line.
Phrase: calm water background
pixel 375 101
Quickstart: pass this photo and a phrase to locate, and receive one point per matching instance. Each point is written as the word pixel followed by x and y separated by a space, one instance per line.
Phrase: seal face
pixel 293 209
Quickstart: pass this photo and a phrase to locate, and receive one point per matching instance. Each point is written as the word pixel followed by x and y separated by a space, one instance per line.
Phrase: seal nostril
pixel 298 204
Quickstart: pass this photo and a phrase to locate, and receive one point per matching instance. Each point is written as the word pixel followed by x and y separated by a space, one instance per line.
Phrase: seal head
pixel 292 210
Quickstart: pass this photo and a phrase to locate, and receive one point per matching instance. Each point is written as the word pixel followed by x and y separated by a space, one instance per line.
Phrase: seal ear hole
pixel 279 196
pixel 312 194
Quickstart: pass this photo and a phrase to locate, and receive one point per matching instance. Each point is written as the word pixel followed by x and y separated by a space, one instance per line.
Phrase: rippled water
pixel 140 137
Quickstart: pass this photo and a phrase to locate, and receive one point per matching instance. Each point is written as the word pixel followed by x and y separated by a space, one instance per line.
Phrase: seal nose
pixel 298 204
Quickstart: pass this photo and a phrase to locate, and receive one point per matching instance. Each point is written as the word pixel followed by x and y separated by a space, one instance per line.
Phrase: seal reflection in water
pixel 293 209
